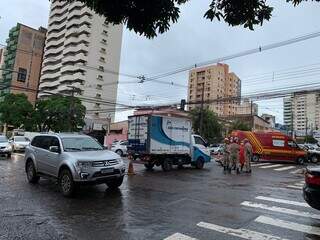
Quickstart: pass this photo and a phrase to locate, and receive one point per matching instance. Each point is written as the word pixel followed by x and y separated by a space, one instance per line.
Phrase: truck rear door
pixel 137 134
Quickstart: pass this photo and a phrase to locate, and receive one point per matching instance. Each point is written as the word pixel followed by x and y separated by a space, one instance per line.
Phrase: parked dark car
pixel 311 189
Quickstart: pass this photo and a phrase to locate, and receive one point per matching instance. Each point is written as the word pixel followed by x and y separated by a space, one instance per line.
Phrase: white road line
pixel 288 225
pixel 294 187
pixel 280 210
pixel 179 236
pixel 278 200
pixel 285 168
pixel 260 164
pixel 241 233
pixel 272 166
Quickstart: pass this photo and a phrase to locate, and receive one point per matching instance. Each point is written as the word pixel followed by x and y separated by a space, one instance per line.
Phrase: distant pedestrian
pixel 248 151
pixel 226 155
pixel 234 154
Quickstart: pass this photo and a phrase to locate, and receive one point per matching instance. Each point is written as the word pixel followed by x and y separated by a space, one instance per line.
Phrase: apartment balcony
pixel 52 45
pixel 74 49
pixel 72 77
pixel 76 58
pixel 76 40
pixel 57 21
pixel 75 4
pixel 76 12
pixel 57 12
pixel 46 85
pixel 55 75
pixel 51 68
pixel 79 21
pixel 78 31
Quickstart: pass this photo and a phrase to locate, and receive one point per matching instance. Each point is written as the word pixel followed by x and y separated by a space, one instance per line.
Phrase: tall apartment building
pixel 22 60
pixel 215 82
pixel 270 119
pixel 306 111
pixel 82 53
pixel 247 108
pixel 303 111
pixel 288 112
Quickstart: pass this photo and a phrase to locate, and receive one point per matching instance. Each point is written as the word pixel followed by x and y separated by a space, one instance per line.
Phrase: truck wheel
pixel 314 158
pixel 166 165
pixel 149 166
pixel 255 158
pixel 115 183
pixel 66 183
pixel 9 155
pixel 199 163
pixel 31 173
pixel 300 160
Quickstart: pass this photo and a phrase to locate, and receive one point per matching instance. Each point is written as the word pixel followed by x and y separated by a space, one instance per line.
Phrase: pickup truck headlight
pixel 8 148
pixel 120 161
pixel 83 165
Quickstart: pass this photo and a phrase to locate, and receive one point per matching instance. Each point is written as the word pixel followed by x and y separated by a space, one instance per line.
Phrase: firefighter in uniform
pixel 248 152
pixel 234 155
pixel 226 155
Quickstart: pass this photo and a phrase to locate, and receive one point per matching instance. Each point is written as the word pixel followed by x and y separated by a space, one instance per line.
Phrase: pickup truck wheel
pixel 66 183
pixel 119 152
pixel 31 173
pixel 9 155
pixel 314 158
pixel 166 165
pixel 115 183
pixel 199 163
pixel 149 166
pixel 300 160
pixel 255 158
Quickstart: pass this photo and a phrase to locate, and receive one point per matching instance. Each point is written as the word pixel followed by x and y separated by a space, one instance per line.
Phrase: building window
pixel 101 68
pixel 100 77
pixel 104 41
pixel 103 50
pixel 102 59
pixel 97 105
pixel 97 114
pixel 98 95
pixel 99 86
pixel 105 32
pixel 22 75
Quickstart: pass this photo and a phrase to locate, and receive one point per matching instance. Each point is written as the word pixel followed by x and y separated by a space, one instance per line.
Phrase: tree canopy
pixel 16 110
pixel 151 17
pixel 211 129
pixel 59 114
pixel 56 113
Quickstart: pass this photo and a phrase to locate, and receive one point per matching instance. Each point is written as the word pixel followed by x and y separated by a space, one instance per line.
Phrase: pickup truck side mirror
pixel 54 149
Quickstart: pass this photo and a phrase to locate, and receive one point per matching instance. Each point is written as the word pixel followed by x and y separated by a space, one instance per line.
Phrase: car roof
pixel 64 135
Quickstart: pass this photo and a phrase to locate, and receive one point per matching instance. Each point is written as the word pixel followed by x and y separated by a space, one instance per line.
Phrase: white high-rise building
pixel 82 53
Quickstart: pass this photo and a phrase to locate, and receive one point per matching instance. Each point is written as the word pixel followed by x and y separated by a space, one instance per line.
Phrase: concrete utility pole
pixel 306 128
pixel 71 107
pixel 201 110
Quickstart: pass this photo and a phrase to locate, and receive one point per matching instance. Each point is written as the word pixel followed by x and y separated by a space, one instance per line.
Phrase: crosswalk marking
pixel 284 168
pixel 241 233
pixel 280 210
pixel 260 164
pixel 288 225
pixel 278 200
pixel 272 166
pixel 179 236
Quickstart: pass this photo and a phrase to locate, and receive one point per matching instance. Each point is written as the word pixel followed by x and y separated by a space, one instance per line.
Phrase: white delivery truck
pixel 165 141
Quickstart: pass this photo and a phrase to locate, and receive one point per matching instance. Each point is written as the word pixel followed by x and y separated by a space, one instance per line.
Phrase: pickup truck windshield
pixel 79 144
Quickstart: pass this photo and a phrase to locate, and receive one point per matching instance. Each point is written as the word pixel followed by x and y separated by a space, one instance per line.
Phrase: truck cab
pixel 199 149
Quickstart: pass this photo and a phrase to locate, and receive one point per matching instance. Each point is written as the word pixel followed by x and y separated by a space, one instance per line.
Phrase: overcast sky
pixel 194 39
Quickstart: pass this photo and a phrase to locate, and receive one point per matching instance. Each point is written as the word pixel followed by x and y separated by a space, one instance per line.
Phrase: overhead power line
pixel 237 55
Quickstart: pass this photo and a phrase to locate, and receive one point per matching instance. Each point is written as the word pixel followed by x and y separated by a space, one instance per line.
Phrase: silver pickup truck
pixel 72 159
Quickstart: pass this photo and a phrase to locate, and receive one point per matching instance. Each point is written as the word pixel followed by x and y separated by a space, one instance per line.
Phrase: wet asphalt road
pixel 153 205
